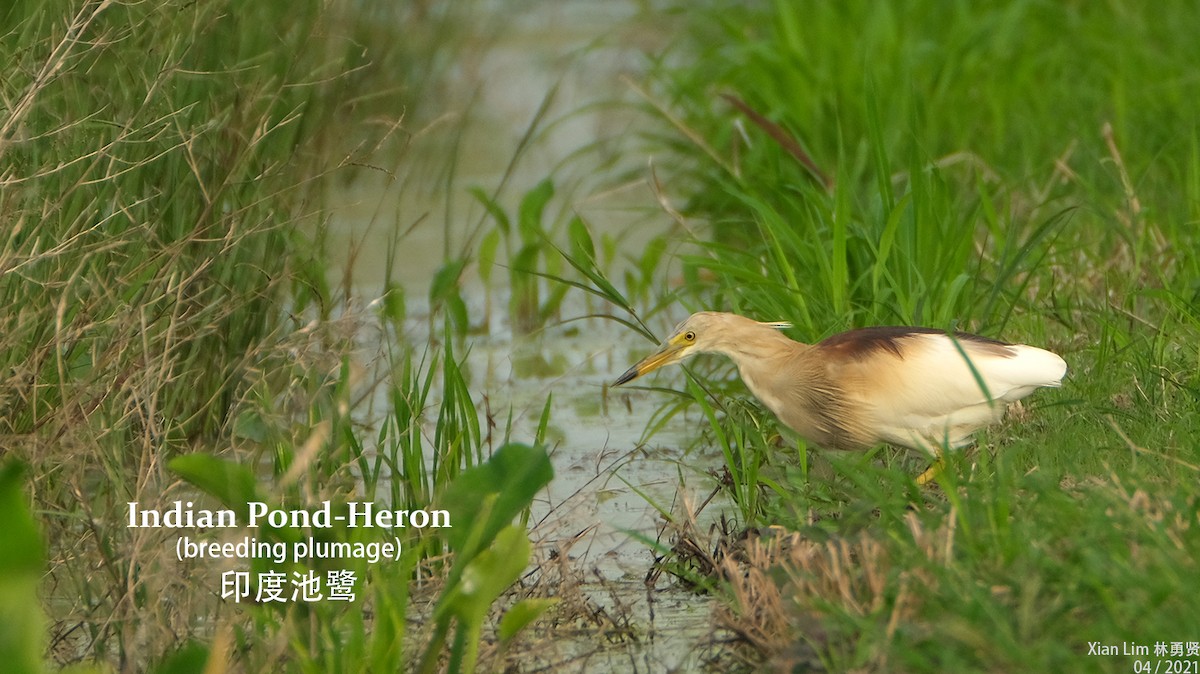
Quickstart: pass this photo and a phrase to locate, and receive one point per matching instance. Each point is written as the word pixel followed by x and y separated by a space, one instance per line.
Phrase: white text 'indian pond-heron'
pixel 915 387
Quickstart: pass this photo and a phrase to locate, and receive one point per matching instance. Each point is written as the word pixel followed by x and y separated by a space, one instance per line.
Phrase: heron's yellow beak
pixel 672 352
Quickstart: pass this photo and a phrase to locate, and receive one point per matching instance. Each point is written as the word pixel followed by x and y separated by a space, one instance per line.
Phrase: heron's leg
pixel 936 450
pixel 932 471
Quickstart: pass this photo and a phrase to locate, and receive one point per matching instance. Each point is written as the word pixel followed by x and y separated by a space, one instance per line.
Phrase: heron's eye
pixel 689 336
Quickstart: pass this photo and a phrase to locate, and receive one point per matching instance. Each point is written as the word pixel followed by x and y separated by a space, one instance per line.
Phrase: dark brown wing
pixel 863 342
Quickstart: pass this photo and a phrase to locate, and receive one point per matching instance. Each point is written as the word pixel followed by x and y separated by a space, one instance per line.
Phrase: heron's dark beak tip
pixel 629 376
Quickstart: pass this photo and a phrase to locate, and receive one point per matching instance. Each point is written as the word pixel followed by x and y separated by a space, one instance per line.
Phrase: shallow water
pixel 580 56
pixel 604 473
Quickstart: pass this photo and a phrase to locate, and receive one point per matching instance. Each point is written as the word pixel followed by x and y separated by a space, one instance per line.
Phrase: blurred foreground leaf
pixel 230 483
pixel 21 619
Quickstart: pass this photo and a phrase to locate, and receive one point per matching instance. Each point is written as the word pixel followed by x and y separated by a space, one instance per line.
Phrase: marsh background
pixel 308 251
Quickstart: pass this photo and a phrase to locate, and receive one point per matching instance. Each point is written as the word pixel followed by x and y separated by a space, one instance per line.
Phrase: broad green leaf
pixel 513 476
pixel 21 543
pixel 21 619
pixel 487 576
pixel 525 260
pixel 230 483
pixel 522 614
pixel 444 286
pixel 249 425
pixel 488 246
pixel 529 214
pixel 581 241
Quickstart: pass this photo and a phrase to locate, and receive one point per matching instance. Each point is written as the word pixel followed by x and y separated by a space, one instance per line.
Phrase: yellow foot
pixel 931 472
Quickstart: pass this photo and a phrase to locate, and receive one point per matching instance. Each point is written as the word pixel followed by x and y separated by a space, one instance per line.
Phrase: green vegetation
pixel 528 251
pixel 1024 170
pixel 1029 171
pixel 169 335
pixel 21 562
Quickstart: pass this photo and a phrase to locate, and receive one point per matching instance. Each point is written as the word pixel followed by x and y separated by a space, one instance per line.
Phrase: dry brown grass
pixel 785 590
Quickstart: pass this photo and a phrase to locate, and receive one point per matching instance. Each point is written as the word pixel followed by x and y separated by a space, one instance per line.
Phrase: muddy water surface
pixel 605 474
